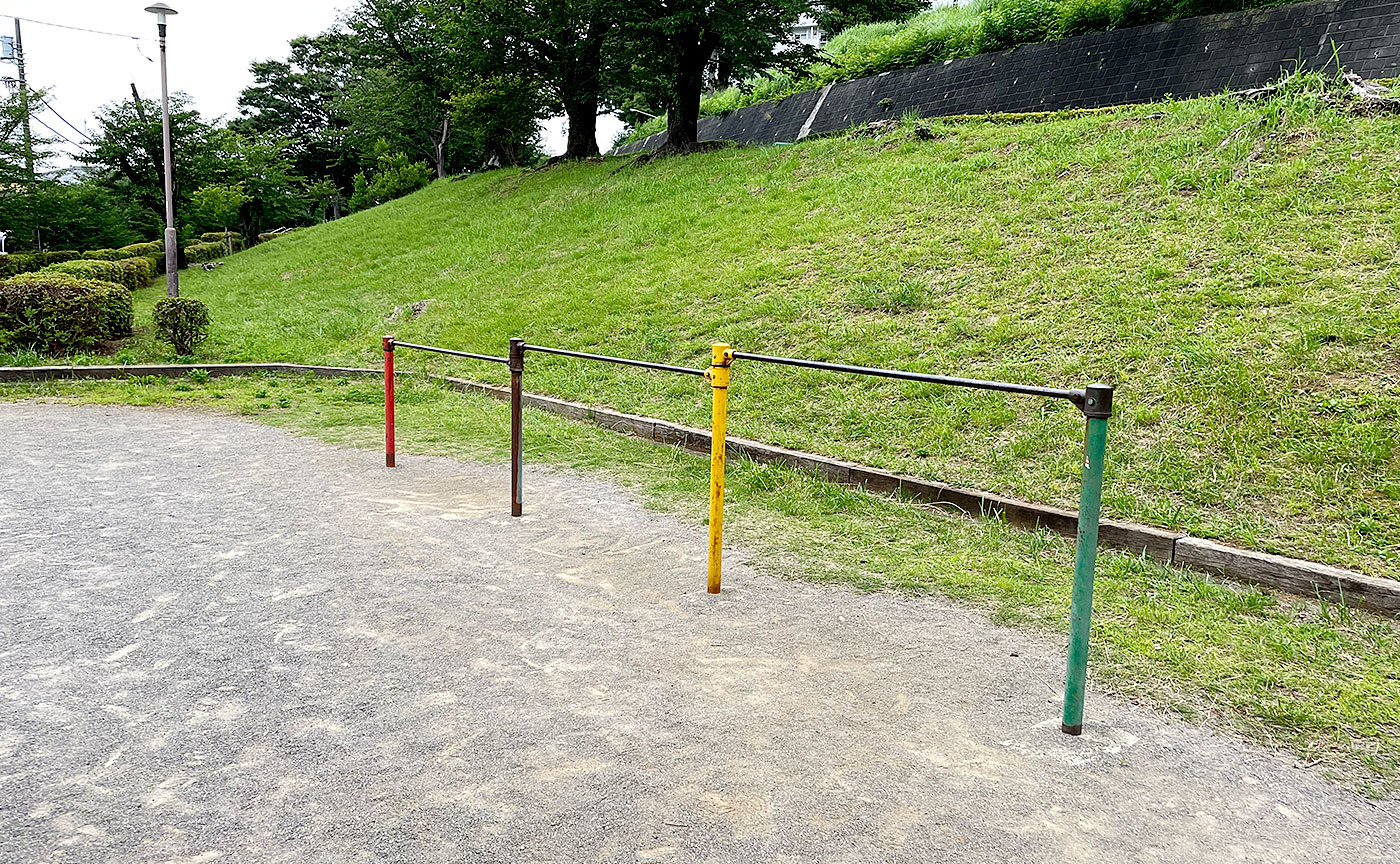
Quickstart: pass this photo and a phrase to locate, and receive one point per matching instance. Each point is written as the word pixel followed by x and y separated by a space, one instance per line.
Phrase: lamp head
pixel 160 10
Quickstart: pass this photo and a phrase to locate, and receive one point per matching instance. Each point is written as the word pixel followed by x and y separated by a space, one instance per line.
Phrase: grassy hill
pixel 1231 268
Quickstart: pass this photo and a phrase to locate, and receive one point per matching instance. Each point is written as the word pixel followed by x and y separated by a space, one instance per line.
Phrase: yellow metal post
pixel 718 376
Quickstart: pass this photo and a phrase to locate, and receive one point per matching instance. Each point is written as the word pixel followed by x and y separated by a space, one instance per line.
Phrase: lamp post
pixel 172 258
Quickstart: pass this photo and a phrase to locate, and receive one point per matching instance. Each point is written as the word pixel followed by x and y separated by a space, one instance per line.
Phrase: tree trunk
pixel 440 150
pixel 579 89
pixel 683 117
pixel 583 129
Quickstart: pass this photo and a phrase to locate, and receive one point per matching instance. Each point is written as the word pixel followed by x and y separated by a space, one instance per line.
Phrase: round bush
pixel 181 321
pixel 154 249
pixel 58 313
pixel 218 236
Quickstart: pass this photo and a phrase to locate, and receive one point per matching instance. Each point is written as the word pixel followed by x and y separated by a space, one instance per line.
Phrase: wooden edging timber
pixel 1294 575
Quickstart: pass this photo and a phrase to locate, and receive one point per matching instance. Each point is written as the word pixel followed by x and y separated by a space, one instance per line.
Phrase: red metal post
pixel 389 401
pixel 517 447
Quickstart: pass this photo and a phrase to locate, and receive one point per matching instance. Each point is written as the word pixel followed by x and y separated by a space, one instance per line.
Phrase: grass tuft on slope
pixel 1231 268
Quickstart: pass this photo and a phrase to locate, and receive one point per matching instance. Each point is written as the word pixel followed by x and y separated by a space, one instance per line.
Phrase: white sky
pixel 211 43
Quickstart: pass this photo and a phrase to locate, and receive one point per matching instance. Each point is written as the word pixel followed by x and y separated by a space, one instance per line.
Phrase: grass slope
pixel 1231 268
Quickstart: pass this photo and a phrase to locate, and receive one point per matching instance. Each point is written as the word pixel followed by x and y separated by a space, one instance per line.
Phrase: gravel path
pixel 223 643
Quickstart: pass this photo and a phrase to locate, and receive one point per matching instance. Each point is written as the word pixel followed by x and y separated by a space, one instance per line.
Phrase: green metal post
pixel 1098 407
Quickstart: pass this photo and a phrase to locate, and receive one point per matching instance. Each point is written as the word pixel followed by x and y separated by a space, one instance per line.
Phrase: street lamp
pixel 172 258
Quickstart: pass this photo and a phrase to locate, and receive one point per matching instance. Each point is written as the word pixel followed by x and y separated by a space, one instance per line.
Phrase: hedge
pixel 133 273
pixel 218 237
pixel 13 265
pixel 202 252
pixel 57 313
pixel 154 249
pixel 108 254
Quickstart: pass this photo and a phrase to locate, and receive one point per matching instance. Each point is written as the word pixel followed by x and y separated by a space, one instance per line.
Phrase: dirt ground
pixel 224 643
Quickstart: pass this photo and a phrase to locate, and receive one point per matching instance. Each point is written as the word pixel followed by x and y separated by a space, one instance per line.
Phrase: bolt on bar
pixel 1096 403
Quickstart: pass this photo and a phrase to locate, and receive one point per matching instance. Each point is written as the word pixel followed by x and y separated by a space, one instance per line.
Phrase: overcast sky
pixel 210 46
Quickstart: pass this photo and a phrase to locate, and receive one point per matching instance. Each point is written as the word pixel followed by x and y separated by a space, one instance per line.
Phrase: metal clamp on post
pixel 389 401
pixel 1097 407
pixel 517 448
pixel 718 376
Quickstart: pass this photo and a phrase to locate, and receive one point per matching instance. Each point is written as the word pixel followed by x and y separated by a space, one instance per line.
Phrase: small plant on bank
pixel 181 321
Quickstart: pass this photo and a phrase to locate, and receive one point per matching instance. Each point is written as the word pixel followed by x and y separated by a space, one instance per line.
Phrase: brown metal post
pixel 389 401
pixel 517 447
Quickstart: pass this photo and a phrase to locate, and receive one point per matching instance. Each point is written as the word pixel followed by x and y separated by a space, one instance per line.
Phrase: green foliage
pixel 181 321
pixel 57 313
pixel 62 255
pixel 218 236
pixel 1077 17
pixel 834 17
pixel 80 215
pixel 1008 23
pixel 137 272
pixel 201 253
pixel 216 205
pixel 20 262
pixel 108 254
pixel 133 273
pixel 154 249
pixel 501 113
pixel 396 177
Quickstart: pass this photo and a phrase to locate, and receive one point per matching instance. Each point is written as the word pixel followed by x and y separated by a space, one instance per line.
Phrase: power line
pixel 54 131
pixel 71 27
pixel 80 132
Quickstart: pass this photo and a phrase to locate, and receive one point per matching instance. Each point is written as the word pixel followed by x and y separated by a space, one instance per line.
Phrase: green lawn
pixel 1231 268
pixel 1316 679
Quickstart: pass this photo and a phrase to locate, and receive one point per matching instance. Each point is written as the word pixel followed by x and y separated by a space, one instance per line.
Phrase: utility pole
pixel 28 135
pixel 24 104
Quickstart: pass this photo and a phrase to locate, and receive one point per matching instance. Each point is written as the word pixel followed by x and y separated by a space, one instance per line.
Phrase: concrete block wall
pixel 1188 58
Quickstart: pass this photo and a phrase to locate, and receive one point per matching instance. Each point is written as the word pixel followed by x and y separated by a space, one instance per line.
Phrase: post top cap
pixel 161 9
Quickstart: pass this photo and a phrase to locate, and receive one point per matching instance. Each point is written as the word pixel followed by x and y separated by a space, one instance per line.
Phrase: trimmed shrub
pixel 218 236
pixel 181 321
pixel 104 271
pixel 13 265
pixel 107 254
pixel 154 249
pixel 199 253
pixel 57 313
pixel 61 256
pixel 137 272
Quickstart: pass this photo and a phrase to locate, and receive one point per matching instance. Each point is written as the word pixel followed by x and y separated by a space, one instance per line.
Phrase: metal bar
pixel 517 448
pixel 1098 408
pixel 1075 396
pixel 388 402
pixel 718 375
pixel 467 354
pixel 662 367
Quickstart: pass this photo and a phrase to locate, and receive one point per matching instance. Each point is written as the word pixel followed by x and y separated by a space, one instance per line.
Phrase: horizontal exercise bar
pixel 662 367
pixel 466 354
pixel 1075 396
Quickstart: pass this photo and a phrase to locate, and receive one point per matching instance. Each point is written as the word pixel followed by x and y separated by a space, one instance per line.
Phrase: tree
pixel 217 206
pixel 832 18
pixel 399 40
pixel 126 153
pixel 397 176
pixel 261 167
pixel 81 216
pixel 674 42
pixel 501 115
pixel 568 46
pixel 299 100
